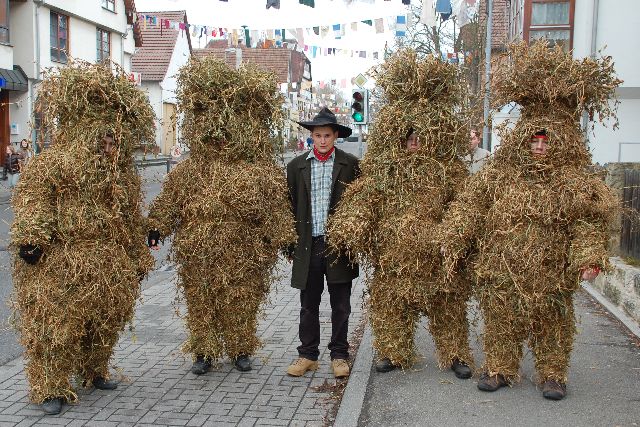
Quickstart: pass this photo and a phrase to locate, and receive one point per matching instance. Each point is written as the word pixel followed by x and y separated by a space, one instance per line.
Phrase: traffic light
pixel 360 106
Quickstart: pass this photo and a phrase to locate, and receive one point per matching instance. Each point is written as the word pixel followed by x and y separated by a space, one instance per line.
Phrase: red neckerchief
pixel 322 157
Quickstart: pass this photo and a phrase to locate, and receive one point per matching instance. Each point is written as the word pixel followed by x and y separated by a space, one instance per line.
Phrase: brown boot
pixel 340 368
pixel 491 382
pixel 302 365
pixel 554 390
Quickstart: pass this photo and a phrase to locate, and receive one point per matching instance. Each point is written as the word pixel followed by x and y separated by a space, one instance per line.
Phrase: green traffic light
pixel 357 117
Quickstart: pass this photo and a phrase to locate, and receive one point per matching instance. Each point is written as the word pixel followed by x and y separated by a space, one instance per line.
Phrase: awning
pixel 14 79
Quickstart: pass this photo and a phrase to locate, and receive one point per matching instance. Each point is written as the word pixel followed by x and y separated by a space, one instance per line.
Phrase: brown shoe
pixel 491 382
pixel 302 365
pixel 340 368
pixel 554 390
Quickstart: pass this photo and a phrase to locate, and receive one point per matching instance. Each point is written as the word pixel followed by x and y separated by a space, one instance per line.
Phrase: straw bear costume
pixel 387 215
pixel 227 204
pixel 81 209
pixel 534 223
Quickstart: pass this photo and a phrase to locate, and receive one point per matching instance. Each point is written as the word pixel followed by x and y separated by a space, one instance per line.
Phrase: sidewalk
pixel 603 387
pixel 158 389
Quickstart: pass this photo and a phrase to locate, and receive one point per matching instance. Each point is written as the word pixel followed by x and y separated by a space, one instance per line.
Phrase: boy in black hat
pixel 316 181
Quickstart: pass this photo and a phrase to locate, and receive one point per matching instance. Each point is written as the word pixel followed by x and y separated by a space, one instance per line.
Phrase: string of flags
pixel 276 37
pixel 398 24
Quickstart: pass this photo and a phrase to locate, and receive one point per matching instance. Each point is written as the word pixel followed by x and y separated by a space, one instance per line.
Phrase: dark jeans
pixel 340 299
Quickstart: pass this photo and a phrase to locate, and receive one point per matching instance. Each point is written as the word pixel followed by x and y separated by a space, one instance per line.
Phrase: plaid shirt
pixel 321 173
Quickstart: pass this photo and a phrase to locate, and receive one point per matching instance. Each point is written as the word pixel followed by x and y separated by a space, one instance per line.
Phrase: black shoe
pixel 491 382
pixel 102 384
pixel 385 365
pixel 461 369
pixel 554 390
pixel 242 363
pixel 52 405
pixel 201 365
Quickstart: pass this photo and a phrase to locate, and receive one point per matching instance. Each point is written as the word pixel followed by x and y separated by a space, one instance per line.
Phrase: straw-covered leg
pixel 240 324
pixel 393 321
pixel 505 331
pixel 552 337
pixel 219 321
pixel 448 324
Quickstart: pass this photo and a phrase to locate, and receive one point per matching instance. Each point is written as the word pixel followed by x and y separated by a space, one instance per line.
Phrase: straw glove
pixel 30 254
pixel 153 239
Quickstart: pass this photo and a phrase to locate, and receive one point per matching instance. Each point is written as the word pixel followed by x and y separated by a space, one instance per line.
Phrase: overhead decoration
pixel 269 38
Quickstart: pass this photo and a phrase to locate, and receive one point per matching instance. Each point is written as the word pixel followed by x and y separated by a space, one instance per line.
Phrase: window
pixel 59 37
pixel 109 5
pixel 103 45
pixel 4 21
pixel 551 20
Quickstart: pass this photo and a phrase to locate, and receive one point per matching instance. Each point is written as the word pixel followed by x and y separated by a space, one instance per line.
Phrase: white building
pixel 164 51
pixel 589 28
pixel 38 34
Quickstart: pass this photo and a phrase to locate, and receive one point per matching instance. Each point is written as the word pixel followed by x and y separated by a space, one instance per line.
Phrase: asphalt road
pixel 602 387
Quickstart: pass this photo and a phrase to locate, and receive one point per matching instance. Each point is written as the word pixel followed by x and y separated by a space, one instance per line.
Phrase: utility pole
pixel 486 132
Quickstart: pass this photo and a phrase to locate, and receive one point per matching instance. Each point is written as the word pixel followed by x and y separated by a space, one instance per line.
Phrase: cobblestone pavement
pixel 157 388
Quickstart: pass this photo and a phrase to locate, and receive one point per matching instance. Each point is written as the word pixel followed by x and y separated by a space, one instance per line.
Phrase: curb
pixel 353 397
pixel 627 321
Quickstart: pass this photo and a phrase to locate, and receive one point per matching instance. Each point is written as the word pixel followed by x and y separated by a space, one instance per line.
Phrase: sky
pixel 291 15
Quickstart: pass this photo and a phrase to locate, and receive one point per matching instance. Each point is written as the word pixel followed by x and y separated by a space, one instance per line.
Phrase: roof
pixel 153 58
pixel 288 65
pixel 14 79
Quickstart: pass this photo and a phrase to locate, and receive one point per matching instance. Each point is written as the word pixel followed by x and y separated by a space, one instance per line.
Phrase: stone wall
pixel 621 287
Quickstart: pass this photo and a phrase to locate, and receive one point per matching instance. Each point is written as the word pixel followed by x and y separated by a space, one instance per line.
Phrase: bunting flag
pixel 379 26
pixel 443 7
pixel 247 37
pixel 428 15
pixel 337 32
pixel 278 34
pixel 401 26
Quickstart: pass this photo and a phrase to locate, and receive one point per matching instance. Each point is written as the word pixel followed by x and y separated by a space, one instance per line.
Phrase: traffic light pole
pixel 360 143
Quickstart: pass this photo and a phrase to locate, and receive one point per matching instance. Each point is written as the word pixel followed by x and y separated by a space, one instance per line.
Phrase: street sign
pixel 360 80
pixel 3 82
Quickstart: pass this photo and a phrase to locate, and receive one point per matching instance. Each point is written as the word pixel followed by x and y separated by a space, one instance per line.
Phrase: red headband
pixel 539 136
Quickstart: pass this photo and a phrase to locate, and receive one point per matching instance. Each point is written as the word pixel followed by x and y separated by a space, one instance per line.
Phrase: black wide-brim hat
pixel 326 118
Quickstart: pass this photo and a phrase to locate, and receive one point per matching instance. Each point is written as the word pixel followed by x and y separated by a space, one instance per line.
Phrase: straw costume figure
pixel 534 221
pixel 227 205
pixel 79 235
pixel 387 215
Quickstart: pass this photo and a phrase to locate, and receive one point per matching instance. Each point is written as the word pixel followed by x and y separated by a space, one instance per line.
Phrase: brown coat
pixel 345 170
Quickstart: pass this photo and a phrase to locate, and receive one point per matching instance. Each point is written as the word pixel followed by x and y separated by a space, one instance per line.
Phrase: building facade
pixel 157 62
pixel 40 34
pixel 588 28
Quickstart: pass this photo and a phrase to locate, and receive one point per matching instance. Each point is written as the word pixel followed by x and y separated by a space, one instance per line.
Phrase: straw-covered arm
pixel 34 207
pixel 462 221
pixel 590 231
pixel 277 221
pixel 164 212
pixel 351 226
pixel 588 246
